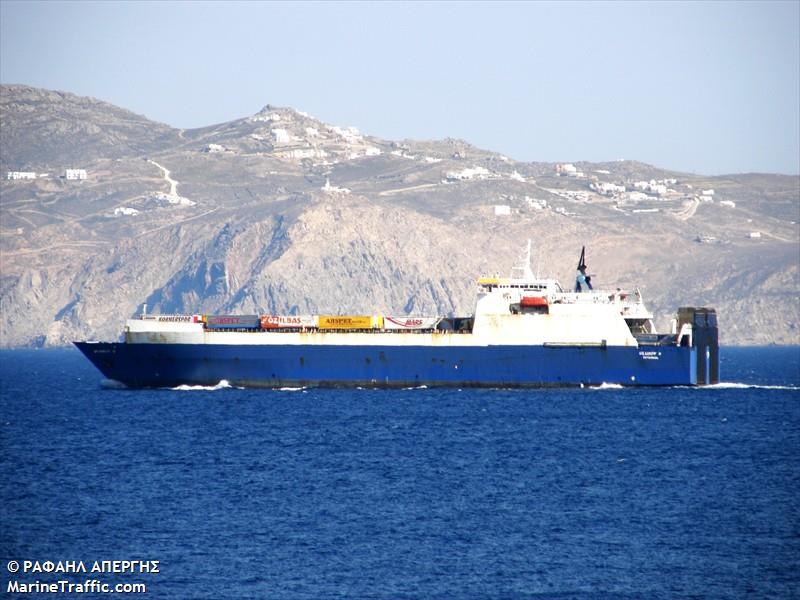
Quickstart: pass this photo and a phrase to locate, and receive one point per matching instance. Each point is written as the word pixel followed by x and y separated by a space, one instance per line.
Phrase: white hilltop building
pixel 332 189
pixel 173 199
pixel 125 211
pixel 350 134
pixel 536 204
pixel 637 196
pixel 517 177
pixel 214 148
pixel 728 203
pixel 568 170
pixel 15 175
pixel 301 153
pixel 468 174
pixel 281 136
pixel 607 189
pixel 267 118
pixel 654 187
pixel 502 210
pixel 75 174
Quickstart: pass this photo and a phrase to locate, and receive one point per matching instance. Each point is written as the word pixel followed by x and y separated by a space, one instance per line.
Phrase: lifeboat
pixel 533 302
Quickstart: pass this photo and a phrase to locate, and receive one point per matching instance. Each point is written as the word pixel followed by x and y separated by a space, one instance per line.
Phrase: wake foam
pixel 222 385
pixel 725 385
pixel 731 385
pixel 607 386
pixel 291 389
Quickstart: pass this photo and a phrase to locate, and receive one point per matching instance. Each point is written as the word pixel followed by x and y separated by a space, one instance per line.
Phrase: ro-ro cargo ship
pixel 525 331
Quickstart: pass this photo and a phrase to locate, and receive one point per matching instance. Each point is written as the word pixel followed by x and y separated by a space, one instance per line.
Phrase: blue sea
pixel 395 494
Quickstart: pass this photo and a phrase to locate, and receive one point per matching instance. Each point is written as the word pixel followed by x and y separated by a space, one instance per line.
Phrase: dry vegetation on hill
pixel 316 218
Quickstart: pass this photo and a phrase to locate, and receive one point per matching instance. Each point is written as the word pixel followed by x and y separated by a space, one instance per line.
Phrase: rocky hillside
pixel 282 213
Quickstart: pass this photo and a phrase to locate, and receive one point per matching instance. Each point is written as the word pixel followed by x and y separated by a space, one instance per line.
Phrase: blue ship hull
pixel 169 365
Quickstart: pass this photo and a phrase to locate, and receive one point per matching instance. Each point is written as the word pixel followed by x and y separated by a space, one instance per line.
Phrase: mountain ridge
pixel 281 212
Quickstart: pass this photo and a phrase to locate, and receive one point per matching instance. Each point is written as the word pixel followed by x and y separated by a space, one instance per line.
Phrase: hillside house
pixel 125 211
pixel 14 175
pixel 607 189
pixel 535 203
pixel 281 136
pixel 332 189
pixel 467 174
pixel 654 187
pixel 301 153
pixel 75 174
pixel 350 134
pixel 268 118
pixel 566 169
pixel 638 196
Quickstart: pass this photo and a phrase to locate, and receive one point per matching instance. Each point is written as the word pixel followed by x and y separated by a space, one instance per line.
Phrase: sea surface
pixel 394 494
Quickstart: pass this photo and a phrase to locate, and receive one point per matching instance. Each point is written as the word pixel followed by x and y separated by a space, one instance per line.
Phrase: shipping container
pixel 410 323
pixel 288 322
pixel 233 322
pixel 349 322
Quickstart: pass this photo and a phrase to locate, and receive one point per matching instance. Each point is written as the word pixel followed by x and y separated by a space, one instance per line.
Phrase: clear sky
pixel 707 88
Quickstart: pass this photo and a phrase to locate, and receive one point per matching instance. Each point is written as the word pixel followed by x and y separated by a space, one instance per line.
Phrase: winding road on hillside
pixel 688 211
pixel 173 185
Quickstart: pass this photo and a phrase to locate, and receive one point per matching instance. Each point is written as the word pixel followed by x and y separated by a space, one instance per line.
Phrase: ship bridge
pixel 525 302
